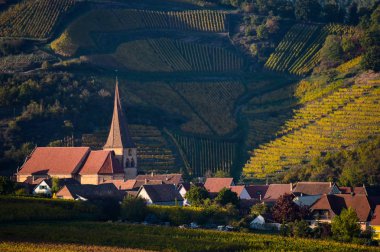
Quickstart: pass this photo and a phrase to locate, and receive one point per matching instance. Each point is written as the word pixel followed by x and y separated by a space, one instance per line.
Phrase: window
pixel 43 187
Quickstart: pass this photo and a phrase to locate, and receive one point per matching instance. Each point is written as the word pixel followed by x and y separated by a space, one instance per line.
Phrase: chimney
pixel 260 196
pixel 146 181
pixel 152 174
pixel 166 178
pixel 291 186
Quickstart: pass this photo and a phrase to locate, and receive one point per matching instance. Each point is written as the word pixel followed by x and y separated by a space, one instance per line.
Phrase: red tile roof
pixel 313 188
pixel 376 217
pixel 214 185
pixel 256 190
pixel 276 190
pixel 101 162
pixel 335 203
pixel 356 190
pixel 55 160
pixel 237 189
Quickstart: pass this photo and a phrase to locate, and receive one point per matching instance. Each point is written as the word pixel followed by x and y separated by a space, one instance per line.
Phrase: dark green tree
pixel 196 195
pixel 226 196
pixel 345 226
pixel 331 52
pixel 133 209
pixel 221 174
pixel 307 10
pixel 55 185
pixel 6 186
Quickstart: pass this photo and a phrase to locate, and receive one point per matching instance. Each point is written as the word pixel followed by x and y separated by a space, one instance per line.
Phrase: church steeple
pixel 119 138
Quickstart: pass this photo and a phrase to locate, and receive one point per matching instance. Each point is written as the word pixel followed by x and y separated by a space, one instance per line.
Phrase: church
pixel 117 160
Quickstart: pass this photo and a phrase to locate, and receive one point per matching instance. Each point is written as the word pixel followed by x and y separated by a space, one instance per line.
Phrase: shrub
pixel 133 209
pixel 345 226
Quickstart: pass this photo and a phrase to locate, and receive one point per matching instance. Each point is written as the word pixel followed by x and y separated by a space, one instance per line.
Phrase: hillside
pixel 258 92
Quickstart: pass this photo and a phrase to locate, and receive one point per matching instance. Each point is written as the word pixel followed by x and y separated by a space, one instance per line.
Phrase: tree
pixel 133 209
pixel 300 228
pixel 226 196
pixel 221 174
pixel 285 210
pixel 331 52
pixel 55 185
pixel 371 43
pixel 7 186
pixel 259 209
pixel 352 14
pixel 196 195
pixel 262 32
pixel 332 13
pixel 307 10
pixel 345 226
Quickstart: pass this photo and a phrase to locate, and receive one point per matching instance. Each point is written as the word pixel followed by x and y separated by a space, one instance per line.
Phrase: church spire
pixel 119 136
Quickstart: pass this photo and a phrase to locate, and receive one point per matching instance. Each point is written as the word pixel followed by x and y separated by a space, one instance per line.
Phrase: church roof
pixel 119 136
pixel 54 160
pixel 101 162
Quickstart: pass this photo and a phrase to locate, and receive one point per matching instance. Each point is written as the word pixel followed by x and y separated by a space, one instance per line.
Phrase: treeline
pixel 349 12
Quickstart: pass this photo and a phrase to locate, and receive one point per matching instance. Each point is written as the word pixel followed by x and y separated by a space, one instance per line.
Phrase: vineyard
pixel 298 52
pixel 187 100
pixel 78 34
pixel 338 120
pixel 165 55
pixel 153 149
pixel 70 234
pixel 202 155
pixel 34 19
pixel 22 62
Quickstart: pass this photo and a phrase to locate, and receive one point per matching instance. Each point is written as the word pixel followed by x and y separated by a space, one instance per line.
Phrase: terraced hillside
pixel 166 55
pixel 33 19
pixel 154 150
pixel 78 34
pixel 298 52
pixel 337 120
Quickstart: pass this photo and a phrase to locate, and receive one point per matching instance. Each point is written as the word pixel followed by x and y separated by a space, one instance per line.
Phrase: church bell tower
pixel 119 139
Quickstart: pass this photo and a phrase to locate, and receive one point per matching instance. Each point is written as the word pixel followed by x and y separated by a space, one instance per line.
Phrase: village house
pixel 89 192
pixel 375 223
pixel 117 160
pixel 241 192
pixel 315 188
pixel 257 192
pixel 45 186
pixel 330 205
pixel 215 185
pixel 164 194
pixel 173 179
pixel 275 191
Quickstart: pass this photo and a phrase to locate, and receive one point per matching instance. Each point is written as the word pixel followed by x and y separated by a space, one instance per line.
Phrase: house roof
pixel 256 190
pixel 162 193
pixel 276 190
pixel 307 200
pixel 376 217
pixel 175 178
pixel 337 202
pixel 54 160
pixel 92 192
pixel 356 190
pixel 214 185
pixel 101 162
pixel 313 188
pixel 185 185
pixel 237 189
pixel 119 135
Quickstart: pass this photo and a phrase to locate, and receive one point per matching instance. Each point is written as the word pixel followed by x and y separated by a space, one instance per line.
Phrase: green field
pixel 159 238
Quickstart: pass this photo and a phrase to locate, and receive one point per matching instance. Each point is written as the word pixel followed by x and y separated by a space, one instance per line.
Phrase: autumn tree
pixel 285 210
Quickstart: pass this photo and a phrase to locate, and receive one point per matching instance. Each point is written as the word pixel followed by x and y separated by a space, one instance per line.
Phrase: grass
pixel 156 238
